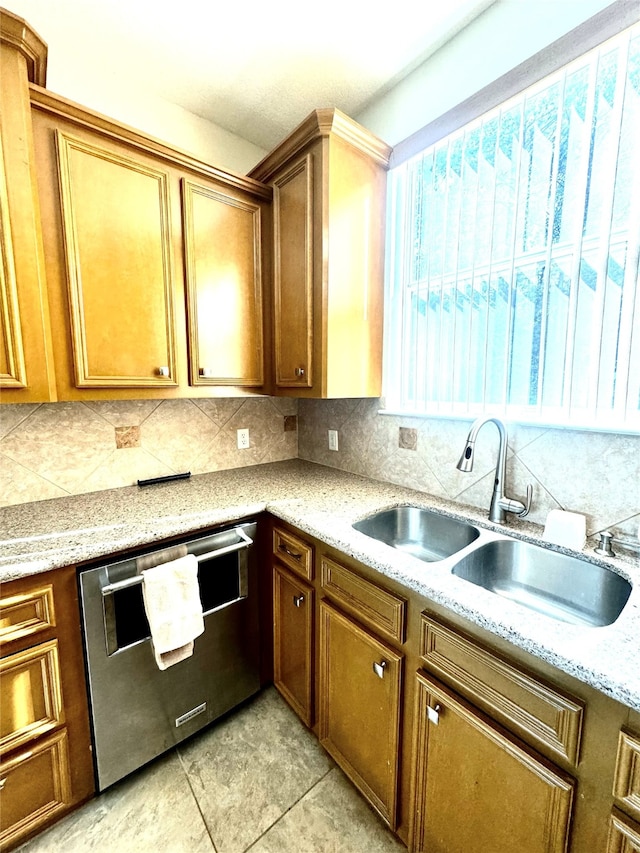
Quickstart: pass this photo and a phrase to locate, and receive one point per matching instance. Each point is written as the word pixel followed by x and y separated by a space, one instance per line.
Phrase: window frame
pixel 615 18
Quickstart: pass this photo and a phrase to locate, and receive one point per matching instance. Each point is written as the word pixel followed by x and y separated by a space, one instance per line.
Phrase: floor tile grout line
pixel 195 797
pixel 288 809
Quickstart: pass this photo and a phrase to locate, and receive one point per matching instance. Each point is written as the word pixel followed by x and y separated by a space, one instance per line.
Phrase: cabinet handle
pixel 299 371
pixel 289 553
pixel 379 668
pixel 162 371
pixel 298 600
pixel 3 782
pixel 206 372
pixel 433 714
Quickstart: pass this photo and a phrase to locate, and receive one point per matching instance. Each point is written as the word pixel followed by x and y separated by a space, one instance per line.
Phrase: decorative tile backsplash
pixel 596 474
pixel 56 449
pixel 52 450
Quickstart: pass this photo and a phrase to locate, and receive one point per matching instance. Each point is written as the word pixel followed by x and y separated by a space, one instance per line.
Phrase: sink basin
pixel 422 533
pixel 566 588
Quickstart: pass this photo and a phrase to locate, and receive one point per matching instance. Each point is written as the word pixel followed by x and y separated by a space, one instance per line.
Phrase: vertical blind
pixel 514 248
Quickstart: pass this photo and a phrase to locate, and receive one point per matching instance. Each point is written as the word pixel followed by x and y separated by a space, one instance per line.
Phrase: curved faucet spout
pixel 465 462
pixel 500 503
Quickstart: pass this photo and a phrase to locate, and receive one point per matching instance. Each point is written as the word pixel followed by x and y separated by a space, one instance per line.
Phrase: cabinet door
pixel 293 641
pixel 30 695
pixel 115 217
pixel 36 787
pixel 293 285
pixel 222 236
pixel 476 788
pixel 359 707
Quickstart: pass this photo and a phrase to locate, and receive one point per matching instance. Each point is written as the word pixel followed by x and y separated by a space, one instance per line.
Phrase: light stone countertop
pixel 324 503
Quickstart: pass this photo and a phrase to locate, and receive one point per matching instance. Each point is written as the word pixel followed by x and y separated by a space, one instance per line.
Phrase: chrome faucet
pixel 500 503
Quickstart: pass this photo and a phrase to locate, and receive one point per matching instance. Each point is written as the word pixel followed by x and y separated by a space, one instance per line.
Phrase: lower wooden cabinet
pixel 477 788
pixel 45 748
pixel 359 707
pixel 484 750
pixel 293 602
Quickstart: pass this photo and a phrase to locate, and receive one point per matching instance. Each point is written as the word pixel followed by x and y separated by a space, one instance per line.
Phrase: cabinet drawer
pixel 624 834
pixel 381 610
pixel 27 613
pixel 527 706
pixel 626 786
pixel 35 786
pixel 30 695
pixel 293 552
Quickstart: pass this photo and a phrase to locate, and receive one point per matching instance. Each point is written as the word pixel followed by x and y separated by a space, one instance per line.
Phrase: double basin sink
pixel 566 588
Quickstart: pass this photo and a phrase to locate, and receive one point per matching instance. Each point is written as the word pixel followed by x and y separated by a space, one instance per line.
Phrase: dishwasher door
pixel 137 710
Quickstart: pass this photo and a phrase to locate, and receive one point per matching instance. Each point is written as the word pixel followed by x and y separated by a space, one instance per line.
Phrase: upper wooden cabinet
pixel 329 191
pixel 154 261
pixel 26 361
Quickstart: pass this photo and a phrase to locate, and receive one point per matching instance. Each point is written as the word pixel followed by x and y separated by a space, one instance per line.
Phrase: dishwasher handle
pixel 134 580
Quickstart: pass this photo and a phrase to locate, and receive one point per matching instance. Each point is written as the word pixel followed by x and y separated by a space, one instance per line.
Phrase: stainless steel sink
pixel 566 588
pixel 422 533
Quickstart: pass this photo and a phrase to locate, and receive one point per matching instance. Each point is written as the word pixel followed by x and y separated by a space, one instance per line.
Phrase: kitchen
pixel 68 447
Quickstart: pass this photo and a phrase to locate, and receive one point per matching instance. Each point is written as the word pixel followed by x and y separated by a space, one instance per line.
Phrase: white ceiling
pixel 232 62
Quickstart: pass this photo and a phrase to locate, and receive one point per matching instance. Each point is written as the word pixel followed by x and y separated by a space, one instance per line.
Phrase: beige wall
pixel 503 36
pixel 596 474
pixel 57 449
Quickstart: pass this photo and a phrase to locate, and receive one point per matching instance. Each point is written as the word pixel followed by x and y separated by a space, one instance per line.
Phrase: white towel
pixel 172 602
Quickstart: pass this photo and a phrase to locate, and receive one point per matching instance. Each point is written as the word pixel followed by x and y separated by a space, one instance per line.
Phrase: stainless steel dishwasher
pixel 137 710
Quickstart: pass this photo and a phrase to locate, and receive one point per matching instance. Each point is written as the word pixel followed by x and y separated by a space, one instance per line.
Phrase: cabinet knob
pixel 379 668
pixel 289 553
pixel 298 600
pixel 206 372
pixel 433 714
pixel 162 371
pixel 299 371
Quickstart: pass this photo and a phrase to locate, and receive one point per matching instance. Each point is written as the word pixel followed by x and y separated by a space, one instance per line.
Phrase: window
pixel 514 247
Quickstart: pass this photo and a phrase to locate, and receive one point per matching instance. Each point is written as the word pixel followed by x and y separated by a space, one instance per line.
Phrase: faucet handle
pixel 517 507
pixel 527 505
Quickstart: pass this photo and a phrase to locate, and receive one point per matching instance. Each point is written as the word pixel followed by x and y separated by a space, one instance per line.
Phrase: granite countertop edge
pixel 324 503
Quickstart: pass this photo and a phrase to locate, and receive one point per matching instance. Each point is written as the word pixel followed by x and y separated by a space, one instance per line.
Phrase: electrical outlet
pixel 243 439
pixel 333 439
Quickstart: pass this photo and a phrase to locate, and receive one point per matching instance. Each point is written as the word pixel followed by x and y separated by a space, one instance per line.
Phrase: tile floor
pixel 255 781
